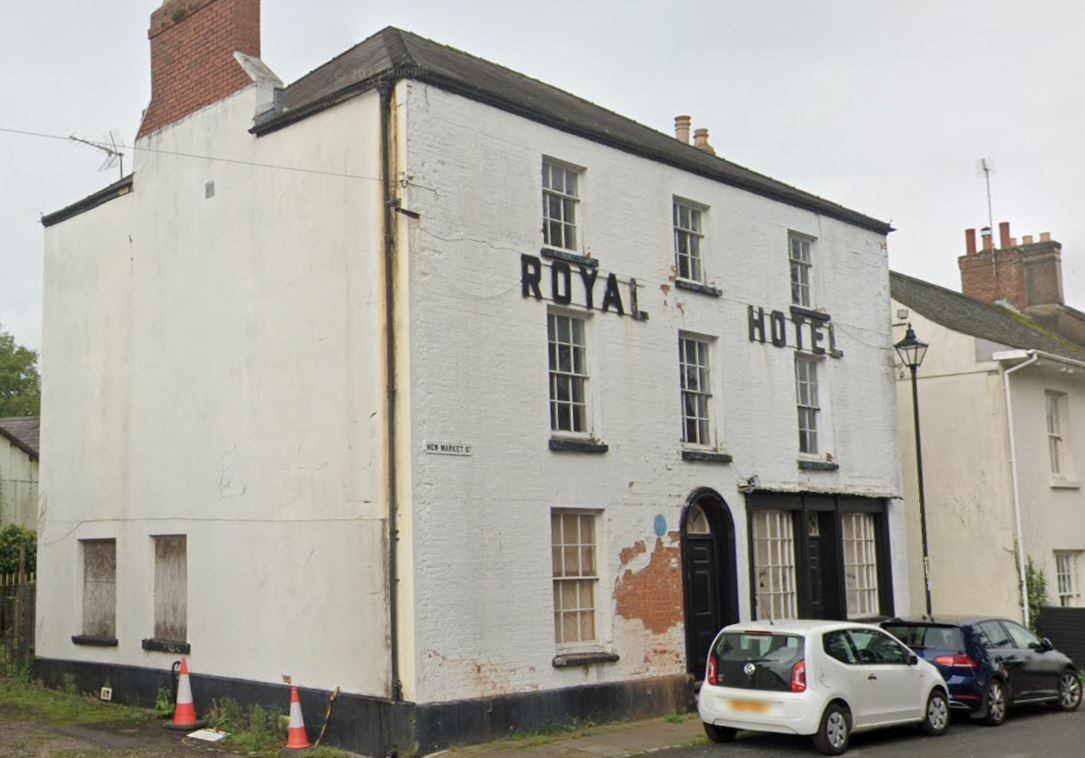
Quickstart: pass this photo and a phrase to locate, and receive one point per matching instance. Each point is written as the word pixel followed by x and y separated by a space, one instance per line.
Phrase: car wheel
pixel 995 699
pixel 937 718
pixel 834 732
pixel 719 733
pixel 1069 691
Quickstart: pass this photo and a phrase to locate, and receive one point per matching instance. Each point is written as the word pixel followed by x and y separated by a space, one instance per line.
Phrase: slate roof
pixel 23 433
pixel 396 54
pixel 984 320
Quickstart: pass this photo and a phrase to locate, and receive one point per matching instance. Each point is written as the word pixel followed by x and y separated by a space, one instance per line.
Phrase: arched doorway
pixel 709 577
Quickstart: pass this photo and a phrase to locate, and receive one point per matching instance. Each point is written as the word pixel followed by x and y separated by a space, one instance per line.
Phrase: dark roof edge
pixel 797 200
pixel 118 188
pixel 19 443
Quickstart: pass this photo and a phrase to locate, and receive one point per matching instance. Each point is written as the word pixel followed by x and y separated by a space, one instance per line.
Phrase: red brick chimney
pixel 192 55
pixel 1028 275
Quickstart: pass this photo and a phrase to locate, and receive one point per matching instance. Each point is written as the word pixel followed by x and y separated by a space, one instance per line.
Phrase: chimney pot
pixel 681 129
pixel 988 243
pixel 970 241
pixel 700 141
pixel 1004 242
pixel 1045 236
pixel 1026 240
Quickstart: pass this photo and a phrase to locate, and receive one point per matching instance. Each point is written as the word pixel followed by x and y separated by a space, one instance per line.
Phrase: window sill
pixel 705 456
pixel 692 286
pixel 566 445
pixel 83 639
pixel 569 256
pixel 586 658
pixel 805 465
pixel 167 646
pixel 1064 484
pixel 809 313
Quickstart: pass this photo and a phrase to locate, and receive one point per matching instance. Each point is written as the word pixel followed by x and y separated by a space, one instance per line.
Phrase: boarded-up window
pixel 170 589
pixel 100 588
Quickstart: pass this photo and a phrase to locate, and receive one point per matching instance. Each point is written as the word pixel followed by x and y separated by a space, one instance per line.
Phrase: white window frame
pixel 688 233
pixel 1066 576
pixel 560 200
pixel 576 374
pixel 808 408
pixel 776 588
pixel 800 257
pixel 695 388
pixel 859 533
pixel 569 581
pixel 1054 403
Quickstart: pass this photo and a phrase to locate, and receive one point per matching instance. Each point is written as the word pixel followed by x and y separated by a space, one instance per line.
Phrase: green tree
pixel 11 537
pixel 20 384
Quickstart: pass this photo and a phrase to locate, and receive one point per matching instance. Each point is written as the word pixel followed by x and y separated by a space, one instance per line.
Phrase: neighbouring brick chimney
pixel 1026 275
pixel 700 141
pixel 681 129
pixel 192 55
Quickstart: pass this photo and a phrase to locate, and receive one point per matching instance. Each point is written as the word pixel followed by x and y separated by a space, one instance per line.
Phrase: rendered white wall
pixel 478 369
pixel 211 367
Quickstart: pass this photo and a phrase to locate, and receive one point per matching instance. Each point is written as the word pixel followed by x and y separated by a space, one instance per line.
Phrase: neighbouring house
pixel 427 380
pixel 1002 414
pixel 19 471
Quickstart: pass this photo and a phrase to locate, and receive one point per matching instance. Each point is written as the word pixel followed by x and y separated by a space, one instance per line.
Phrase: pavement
pixel 1030 732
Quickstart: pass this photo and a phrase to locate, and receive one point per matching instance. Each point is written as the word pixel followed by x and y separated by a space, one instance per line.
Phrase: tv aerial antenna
pixel 109 146
pixel 984 167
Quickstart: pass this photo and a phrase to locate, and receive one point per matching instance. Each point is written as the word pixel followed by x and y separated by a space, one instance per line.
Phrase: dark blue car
pixel 991 664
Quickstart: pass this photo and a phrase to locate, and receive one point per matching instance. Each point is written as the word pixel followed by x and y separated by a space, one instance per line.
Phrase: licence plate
pixel 749 706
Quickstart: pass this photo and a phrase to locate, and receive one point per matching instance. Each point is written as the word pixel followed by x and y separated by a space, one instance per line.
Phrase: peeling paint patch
pixel 653 594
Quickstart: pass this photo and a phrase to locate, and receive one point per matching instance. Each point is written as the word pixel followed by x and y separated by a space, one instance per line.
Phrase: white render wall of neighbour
pixel 969 492
pixel 18 486
pixel 478 373
pixel 212 367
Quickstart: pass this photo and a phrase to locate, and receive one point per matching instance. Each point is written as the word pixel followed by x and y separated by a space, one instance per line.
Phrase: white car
pixel 823 678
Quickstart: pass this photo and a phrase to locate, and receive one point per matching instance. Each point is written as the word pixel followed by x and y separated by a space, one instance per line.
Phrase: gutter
pixel 385 89
pixel 1032 357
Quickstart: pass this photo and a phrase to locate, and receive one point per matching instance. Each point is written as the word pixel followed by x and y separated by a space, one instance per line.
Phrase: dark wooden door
pixel 703 614
pixel 816 572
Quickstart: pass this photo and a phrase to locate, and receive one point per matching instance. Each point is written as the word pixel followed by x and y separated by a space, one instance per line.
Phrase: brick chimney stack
pixel 1026 275
pixel 192 56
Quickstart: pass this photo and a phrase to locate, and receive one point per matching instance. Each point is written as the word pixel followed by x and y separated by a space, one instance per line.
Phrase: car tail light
pixel 798 677
pixel 956 661
pixel 712 672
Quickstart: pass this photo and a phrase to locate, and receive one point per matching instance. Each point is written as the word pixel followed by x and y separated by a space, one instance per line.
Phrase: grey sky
pixel 881 106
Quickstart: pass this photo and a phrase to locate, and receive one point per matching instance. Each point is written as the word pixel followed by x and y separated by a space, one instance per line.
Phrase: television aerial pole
pixel 109 146
pixel 985 166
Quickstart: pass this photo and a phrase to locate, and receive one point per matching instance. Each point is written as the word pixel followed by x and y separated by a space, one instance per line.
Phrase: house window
pixel 696 389
pixel 170 588
pixel 688 235
pixel 806 392
pixel 560 198
pixel 99 588
pixel 568 373
pixel 860 564
pixel 1066 577
pixel 573 548
pixel 801 265
pixel 774 564
pixel 1054 401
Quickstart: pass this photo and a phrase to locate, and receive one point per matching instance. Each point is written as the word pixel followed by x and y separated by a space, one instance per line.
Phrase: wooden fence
pixel 17 594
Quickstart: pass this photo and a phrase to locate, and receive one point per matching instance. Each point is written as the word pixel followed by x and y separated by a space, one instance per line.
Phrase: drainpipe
pixel 1033 358
pixel 386 137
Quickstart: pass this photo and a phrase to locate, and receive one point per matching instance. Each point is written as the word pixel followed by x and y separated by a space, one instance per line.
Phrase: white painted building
pixel 1000 398
pixel 577 391
pixel 19 471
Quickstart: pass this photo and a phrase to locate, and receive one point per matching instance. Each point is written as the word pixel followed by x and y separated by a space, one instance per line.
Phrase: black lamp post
pixel 911 351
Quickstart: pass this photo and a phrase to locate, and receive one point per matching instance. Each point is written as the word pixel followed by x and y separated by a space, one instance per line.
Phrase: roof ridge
pixel 398 52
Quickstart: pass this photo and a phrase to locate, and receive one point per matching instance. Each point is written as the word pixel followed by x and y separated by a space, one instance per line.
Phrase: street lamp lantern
pixel 912 350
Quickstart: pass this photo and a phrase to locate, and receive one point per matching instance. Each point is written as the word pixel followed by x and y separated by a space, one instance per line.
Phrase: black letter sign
pixel 779 336
pixel 757 323
pixel 612 297
pixel 588 274
pixel 530 274
pixel 559 274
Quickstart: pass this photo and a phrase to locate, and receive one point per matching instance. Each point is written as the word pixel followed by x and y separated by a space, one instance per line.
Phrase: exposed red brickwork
pixel 654 593
pixel 192 55
pixel 995 275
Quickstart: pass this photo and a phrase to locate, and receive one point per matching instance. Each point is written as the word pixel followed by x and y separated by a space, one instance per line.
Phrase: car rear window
pixel 928 636
pixel 757 661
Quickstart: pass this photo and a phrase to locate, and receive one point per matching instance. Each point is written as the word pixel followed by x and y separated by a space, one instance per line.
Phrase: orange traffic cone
pixel 184 712
pixel 296 736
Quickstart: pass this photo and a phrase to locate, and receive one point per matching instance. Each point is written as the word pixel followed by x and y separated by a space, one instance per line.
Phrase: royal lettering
pixel 566 289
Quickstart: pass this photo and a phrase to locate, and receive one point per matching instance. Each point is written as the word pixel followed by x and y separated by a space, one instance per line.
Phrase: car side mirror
pixel 913 660
pixel 1045 644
